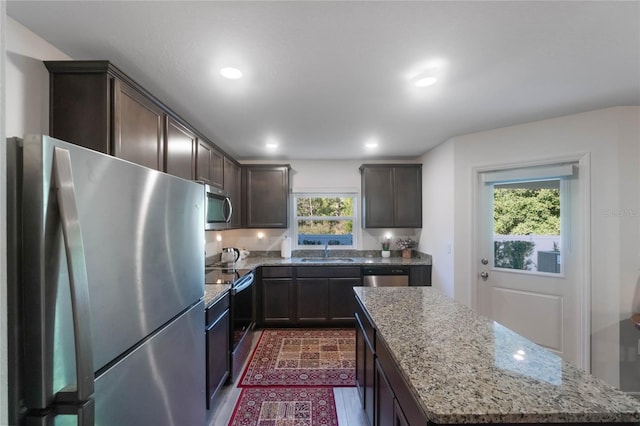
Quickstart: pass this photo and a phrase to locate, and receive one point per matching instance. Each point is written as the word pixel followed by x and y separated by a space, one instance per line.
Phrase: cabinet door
pixel 360 361
pixel 400 419
pixel 217 168
pixel 365 367
pixel 384 399
pixel 232 184
pixel 377 190
pixel 209 164
pixel 342 301
pixel 138 127
pixel 180 150
pixel 266 190
pixel 420 275
pixel 312 300
pixel 277 301
pixel 217 335
pixel 80 107
pixel 408 197
pixel 203 162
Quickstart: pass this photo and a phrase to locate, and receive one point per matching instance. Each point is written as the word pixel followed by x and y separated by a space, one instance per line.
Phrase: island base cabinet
pixel 407 409
pixel 398 415
pixel 384 399
pixel 365 367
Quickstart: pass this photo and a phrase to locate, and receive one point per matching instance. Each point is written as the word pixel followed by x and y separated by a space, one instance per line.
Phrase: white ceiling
pixel 323 77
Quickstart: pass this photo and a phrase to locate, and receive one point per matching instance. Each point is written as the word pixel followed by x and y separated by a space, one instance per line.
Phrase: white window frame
pixel 325 194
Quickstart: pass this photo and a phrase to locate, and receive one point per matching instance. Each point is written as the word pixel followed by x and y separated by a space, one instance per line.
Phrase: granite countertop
pixel 464 368
pixel 213 293
pixel 254 262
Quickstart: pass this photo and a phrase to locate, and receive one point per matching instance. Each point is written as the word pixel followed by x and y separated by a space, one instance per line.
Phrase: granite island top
pixel 464 368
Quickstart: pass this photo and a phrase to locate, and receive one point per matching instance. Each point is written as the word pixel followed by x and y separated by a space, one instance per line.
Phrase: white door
pixel 528 272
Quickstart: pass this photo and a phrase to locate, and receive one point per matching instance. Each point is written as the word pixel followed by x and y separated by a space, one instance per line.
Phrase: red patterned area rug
pixel 302 357
pixel 285 407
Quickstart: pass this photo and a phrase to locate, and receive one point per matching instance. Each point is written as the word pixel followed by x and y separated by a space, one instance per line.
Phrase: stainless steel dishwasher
pixel 386 276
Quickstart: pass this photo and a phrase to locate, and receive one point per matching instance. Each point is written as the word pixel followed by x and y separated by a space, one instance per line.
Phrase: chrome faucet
pixel 326 249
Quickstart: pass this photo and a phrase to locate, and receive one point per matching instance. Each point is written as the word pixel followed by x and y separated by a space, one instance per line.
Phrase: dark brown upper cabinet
pixel 210 164
pixel 233 185
pixel 180 150
pixel 138 127
pixel 96 105
pixel 391 195
pixel 266 196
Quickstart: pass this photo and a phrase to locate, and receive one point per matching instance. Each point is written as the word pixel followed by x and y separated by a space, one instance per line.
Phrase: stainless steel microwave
pixel 218 209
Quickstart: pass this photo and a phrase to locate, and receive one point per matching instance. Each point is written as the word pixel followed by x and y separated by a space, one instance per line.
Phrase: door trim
pixel 583 271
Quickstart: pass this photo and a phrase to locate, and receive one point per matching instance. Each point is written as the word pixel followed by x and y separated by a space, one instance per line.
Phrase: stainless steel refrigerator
pixel 106 281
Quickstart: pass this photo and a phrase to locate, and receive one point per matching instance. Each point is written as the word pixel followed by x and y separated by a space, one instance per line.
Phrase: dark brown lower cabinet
pixel 420 275
pixel 312 300
pixel 217 344
pixel 342 302
pixel 307 296
pixel 277 301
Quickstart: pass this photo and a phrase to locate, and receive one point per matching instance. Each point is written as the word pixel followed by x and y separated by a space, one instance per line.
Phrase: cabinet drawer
pixel 213 313
pixel 277 272
pixel 328 272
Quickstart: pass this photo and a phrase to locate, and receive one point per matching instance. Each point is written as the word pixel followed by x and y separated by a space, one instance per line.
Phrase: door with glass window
pixel 527 254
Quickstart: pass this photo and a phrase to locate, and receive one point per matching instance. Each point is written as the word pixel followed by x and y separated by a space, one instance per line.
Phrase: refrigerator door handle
pixel 82 393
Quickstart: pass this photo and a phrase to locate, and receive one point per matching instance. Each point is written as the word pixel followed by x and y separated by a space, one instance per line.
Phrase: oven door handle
pixel 246 282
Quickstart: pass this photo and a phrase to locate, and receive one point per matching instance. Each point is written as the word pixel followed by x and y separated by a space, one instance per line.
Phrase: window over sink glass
pixel 324 219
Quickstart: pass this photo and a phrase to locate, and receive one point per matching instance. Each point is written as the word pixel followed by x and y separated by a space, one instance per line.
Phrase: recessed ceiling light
pixel 272 143
pixel 231 73
pixel 426 73
pixel 424 82
pixel 371 143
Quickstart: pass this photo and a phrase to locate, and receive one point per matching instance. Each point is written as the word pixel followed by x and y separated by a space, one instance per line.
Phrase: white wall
pixel 612 136
pixel 24 91
pixel 309 176
pixel 436 237
pixel 27 91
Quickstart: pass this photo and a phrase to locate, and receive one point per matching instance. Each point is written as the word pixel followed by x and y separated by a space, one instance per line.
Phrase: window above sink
pixel 324 219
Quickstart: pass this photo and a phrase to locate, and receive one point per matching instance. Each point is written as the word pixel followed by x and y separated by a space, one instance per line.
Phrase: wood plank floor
pixel 348 406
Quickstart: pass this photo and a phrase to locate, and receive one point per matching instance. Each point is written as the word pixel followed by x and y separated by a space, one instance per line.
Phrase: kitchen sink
pixel 327 259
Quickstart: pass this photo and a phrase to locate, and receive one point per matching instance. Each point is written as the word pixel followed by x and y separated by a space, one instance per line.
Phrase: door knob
pixel 484 261
pixel 484 275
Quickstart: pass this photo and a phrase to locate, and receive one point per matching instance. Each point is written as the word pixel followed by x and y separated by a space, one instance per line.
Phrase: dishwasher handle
pixel 385 270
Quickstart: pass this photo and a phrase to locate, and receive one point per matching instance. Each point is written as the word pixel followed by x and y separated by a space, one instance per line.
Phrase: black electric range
pixel 242 311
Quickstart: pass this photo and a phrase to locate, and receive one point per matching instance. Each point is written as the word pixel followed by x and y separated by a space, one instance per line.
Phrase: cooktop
pixel 216 274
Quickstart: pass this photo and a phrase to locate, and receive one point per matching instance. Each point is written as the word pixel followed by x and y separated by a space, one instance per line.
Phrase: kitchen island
pixel 436 361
